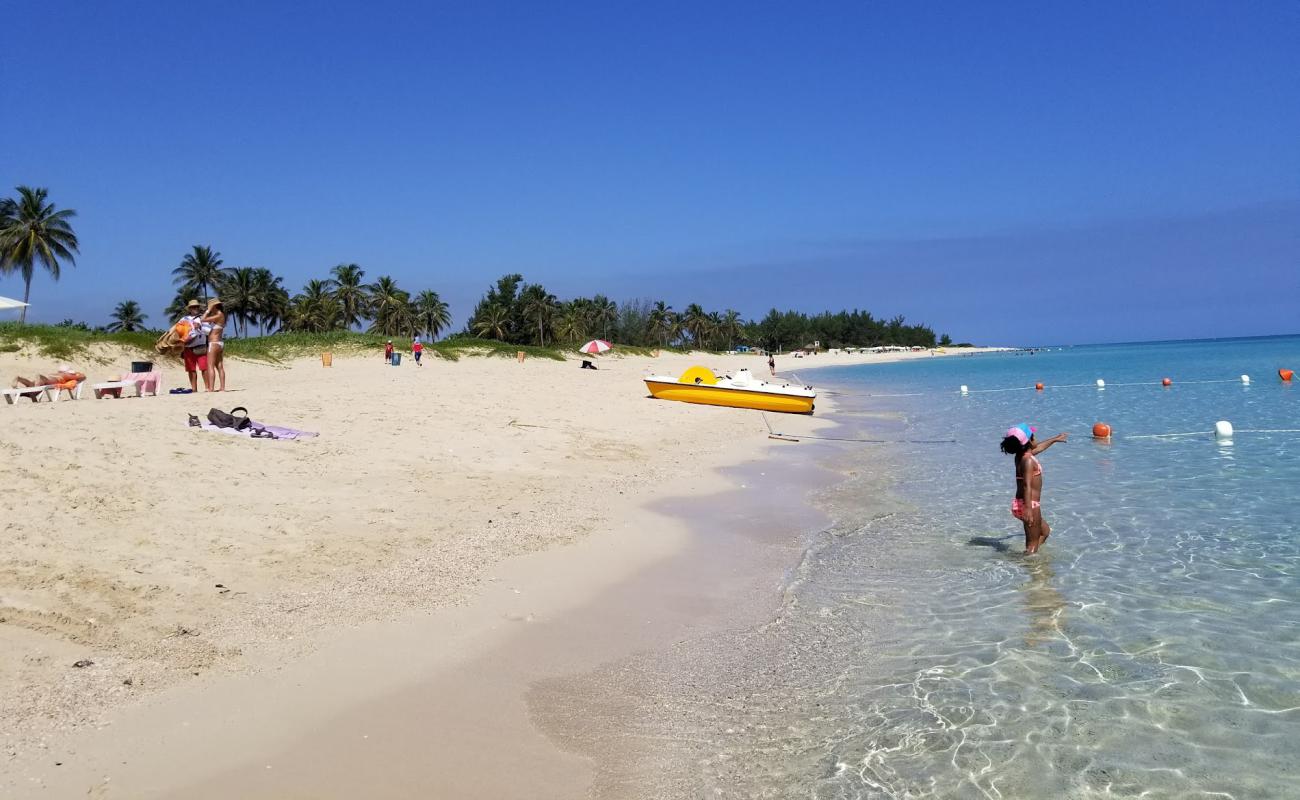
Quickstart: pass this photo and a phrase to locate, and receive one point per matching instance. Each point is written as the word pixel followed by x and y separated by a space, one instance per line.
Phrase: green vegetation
pixel 33 231
pixel 254 296
pixel 514 311
pixel 74 342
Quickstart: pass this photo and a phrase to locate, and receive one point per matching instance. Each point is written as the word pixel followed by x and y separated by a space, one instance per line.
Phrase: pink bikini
pixel 1018 504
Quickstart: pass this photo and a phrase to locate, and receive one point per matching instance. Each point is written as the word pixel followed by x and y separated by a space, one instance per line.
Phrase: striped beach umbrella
pixel 595 347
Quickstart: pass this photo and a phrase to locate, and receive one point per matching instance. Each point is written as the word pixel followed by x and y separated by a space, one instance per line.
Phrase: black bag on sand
pixel 232 419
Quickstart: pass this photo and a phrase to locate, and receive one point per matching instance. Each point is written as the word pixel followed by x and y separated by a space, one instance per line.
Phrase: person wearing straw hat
pixel 196 347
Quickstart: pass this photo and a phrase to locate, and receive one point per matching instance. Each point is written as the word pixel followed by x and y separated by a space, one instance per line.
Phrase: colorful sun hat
pixel 1022 432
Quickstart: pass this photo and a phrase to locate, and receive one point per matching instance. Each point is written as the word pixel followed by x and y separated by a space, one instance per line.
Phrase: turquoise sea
pixel 1152 649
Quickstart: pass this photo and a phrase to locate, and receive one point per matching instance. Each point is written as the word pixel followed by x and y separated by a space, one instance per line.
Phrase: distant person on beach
pixel 1020 442
pixel 196 348
pixel 771 363
pixel 417 350
pixel 215 319
pixel 388 352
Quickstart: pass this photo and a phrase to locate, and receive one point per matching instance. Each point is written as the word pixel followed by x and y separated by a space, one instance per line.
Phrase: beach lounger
pixel 100 389
pixel 56 390
pixel 12 395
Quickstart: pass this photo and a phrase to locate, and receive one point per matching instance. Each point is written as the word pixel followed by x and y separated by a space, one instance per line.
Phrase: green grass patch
pixel 61 343
pixel 66 344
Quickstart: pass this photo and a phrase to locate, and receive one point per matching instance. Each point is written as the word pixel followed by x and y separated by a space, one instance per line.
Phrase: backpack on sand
pixel 230 419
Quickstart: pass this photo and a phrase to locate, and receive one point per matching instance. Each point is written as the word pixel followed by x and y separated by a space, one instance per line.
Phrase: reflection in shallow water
pixel 1044 603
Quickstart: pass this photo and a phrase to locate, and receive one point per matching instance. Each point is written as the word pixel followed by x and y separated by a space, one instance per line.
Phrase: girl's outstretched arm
pixel 1041 446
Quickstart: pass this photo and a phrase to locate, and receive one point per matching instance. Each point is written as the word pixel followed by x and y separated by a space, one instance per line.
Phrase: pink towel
pixel 147 381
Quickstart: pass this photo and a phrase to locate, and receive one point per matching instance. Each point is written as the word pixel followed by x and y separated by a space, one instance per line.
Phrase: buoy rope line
pixel 1209 433
pixel 839 393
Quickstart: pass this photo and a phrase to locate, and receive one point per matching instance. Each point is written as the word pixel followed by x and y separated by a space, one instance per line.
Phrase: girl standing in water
pixel 1020 442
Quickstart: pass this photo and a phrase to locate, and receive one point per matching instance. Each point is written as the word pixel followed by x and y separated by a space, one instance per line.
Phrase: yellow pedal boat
pixel 743 390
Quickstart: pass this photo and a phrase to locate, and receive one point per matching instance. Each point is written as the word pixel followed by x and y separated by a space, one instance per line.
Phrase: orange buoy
pixel 1038 386
pixel 1166 382
pixel 1286 375
pixel 1101 430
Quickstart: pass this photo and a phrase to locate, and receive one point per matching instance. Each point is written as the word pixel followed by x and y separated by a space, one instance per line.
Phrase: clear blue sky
pixel 1127 170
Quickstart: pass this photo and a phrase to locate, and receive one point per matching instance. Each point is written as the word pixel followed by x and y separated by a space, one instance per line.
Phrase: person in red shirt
pixel 417 350
pixel 388 352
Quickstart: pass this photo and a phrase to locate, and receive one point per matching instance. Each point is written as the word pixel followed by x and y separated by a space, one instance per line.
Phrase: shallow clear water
pixel 1152 649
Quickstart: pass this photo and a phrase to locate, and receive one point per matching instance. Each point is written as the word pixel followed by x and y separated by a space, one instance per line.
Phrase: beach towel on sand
pixel 276 431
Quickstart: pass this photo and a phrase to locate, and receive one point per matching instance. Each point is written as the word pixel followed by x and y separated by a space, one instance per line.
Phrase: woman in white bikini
pixel 1020 442
pixel 216 318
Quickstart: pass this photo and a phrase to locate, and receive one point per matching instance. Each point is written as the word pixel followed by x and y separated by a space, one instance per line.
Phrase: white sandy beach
pixel 180 562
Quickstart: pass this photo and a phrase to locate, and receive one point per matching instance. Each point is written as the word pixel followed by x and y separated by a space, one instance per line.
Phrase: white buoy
pixel 1245 379
pixel 1222 430
pixel 1101 384
pixel 964 390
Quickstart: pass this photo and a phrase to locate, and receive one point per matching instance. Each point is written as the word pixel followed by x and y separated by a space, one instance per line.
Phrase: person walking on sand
pixel 771 363
pixel 196 348
pixel 215 319
pixel 1026 506
pixel 417 350
pixel 388 352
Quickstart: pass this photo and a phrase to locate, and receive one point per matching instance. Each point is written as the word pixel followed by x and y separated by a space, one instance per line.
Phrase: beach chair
pixel 12 395
pixel 54 391
pixel 101 389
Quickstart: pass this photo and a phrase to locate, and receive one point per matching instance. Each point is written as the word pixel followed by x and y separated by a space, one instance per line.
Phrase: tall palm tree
pixel 349 293
pixel 731 328
pixel 32 230
pixel 696 322
pixel 127 317
pixel 201 269
pixel 538 307
pixel 390 308
pixel 663 322
pixel 431 313
pixel 493 322
pixel 239 291
pixel 271 300
pixel 604 313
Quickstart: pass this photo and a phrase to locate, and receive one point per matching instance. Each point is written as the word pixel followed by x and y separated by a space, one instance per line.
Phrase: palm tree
pixel 271 303
pixel 200 269
pixel 604 311
pixel 239 296
pixel 538 306
pixel 571 323
pixel 731 328
pixel 315 310
pixel 493 322
pixel 127 317
pixel 349 293
pixel 33 230
pixel 390 308
pixel 663 321
pixel 696 322
pixel 431 313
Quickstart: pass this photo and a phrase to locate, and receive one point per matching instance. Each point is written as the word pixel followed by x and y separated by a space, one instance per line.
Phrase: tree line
pixel 254 296
pixel 526 313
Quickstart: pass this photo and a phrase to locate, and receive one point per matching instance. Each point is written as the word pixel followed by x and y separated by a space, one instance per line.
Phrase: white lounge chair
pixel 73 394
pixel 12 395
pixel 100 388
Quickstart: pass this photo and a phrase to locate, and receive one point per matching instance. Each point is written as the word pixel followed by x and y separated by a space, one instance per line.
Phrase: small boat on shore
pixel 742 390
